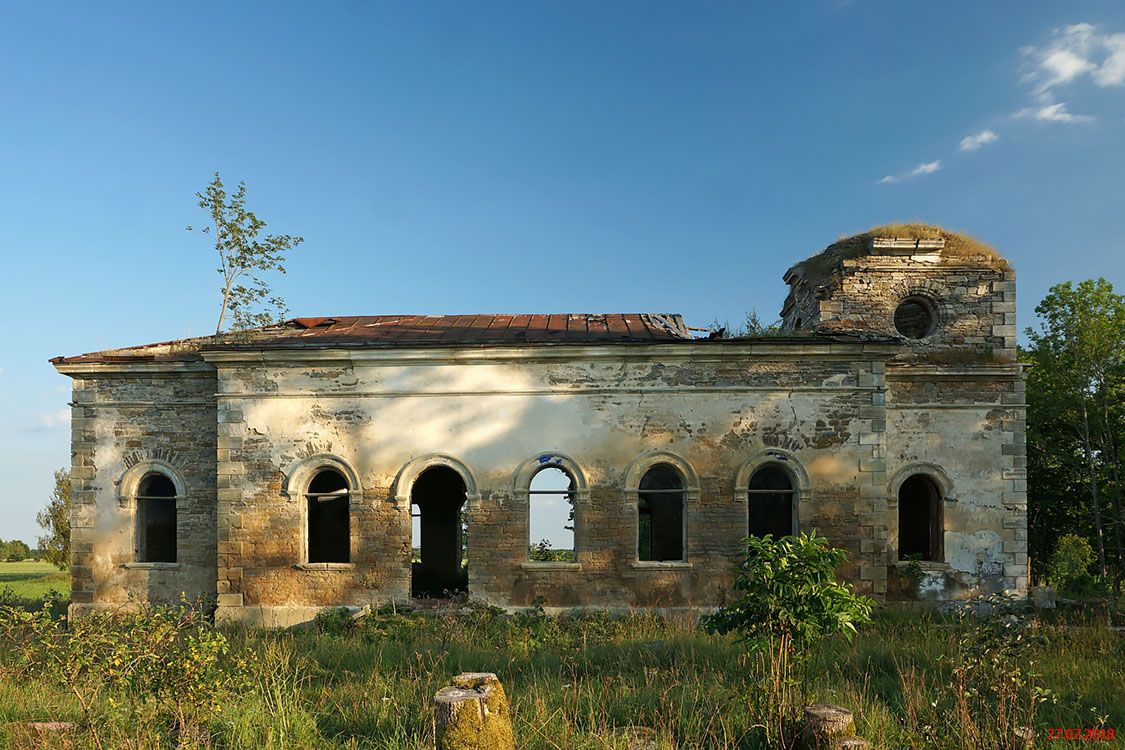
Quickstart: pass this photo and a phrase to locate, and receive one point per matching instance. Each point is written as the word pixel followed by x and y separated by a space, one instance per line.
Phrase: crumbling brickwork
pixel 847 406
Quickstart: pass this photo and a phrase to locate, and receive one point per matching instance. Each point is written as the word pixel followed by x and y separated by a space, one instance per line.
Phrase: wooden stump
pixel 472 714
pixel 826 726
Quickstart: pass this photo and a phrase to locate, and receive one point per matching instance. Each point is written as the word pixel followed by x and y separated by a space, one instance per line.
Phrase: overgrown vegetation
pixel 1076 427
pixel 791 601
pixel 243 255
pixel 577 682
pixel 957 245
pixel 751 327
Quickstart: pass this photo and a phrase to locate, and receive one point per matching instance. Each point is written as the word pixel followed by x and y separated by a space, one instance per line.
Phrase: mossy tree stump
pixel 829 728
pixel 473 714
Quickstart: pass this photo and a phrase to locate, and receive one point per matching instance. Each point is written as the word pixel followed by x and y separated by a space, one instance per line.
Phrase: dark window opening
pixel 551 516
pixel 156 519
pixel 442 565
pixel 915 318
pixel 920 527
pixel 329 519
pixel 660 515
pixel 771 499
pixel 797 325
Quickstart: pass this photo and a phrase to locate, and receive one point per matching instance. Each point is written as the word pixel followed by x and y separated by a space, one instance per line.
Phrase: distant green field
pixel 32 580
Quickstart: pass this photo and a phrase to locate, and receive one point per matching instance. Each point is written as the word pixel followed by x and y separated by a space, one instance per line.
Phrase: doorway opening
pixel 439 566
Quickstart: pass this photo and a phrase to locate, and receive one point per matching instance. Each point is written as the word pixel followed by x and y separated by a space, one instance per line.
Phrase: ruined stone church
pixel 289 468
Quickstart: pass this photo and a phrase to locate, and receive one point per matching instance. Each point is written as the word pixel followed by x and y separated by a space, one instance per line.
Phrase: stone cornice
pixel 697 352
pixel 132 368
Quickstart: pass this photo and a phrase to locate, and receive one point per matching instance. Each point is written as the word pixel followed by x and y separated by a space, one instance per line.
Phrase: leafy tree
pixel 1076 419
pixel 1070 566
pixel 791 600
pixel 54 546
pixel 243 255
pixel 14 551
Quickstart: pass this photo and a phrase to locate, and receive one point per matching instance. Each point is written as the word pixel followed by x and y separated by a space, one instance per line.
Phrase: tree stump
pixel 825 725
pixel 472 714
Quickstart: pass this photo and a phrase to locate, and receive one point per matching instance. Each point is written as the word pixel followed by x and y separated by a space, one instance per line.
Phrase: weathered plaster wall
pixel 123 420
pixel 967 427
pixel 715 407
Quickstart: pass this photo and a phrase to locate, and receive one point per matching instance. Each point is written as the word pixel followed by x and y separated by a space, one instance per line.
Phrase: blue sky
pixel 452 157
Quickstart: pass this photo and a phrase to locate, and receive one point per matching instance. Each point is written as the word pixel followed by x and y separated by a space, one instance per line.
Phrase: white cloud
pixel 1112 70
pixel 925 168
pixel 1071 53
pixel 1052 113
pixel 50 420
pixel 973 142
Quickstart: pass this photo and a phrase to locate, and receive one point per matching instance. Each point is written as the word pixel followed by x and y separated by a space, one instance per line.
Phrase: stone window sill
pixel 661 565
pixel 324 566
pixel 151 565
pixel 926 565
pixel 547 565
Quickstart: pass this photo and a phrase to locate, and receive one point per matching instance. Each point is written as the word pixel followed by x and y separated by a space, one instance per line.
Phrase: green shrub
pixel 334 621
pixel 164 661
pixel 791 601
pixel 1069 568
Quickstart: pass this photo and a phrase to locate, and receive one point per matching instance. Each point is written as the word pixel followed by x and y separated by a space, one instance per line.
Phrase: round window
pixel 915 317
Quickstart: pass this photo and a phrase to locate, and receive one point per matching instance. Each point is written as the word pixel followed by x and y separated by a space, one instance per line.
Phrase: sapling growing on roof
pixel 235 229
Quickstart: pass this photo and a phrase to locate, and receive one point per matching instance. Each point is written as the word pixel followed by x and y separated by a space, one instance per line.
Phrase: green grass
pixel 579 682
pixel 32 580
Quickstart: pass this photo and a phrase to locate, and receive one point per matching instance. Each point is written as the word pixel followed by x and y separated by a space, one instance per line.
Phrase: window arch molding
pixel 409 473
pixel 933 471
pixel 302 471
pixel 130 481
pixel 790 464
pixel 521 482
pixel 640 467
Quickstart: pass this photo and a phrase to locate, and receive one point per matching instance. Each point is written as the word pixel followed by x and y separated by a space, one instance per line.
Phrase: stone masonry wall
pixel 122 420
pixel 975 305
pixel 712 406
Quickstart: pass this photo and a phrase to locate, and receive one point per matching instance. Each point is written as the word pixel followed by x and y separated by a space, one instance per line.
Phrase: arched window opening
pixel 660 515
pixel 437 499
pixel 551 516
pixel 329 524
pixel 156 519
pixel 772 499
pixel 920 526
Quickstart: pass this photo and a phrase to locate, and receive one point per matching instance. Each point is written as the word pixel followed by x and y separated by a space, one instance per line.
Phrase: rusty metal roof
pixel 415 331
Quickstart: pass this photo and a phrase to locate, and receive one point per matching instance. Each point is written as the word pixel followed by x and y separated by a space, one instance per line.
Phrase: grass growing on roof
pixel 957 245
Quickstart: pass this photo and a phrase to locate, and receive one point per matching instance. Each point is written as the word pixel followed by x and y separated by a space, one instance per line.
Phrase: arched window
pixel 329 525
pixel 920 526
pixel 772 498
pixel 551 497
pixel 660 514
pixel 155 536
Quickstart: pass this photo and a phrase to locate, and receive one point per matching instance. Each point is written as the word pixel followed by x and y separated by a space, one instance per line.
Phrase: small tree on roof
pixel 235 229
